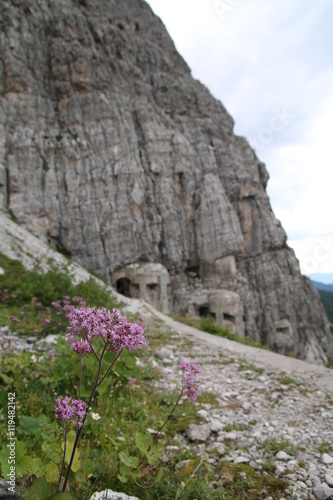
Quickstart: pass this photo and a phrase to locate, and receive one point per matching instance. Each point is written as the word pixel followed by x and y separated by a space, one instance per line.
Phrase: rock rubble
pixel 272 420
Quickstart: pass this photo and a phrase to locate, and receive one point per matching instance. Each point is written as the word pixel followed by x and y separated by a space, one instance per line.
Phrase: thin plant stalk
pixel 79 429
pixel 164 423
pixel 63 458
pixel 168 417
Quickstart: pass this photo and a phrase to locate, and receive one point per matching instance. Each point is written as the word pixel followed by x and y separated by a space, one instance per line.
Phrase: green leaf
pixel 155 452
pixel 88 466
pixel 39 490
pixel 29 425
pixel 159 475
pixel 76 465
pixel 127 460
pixel 24 466
pixel 124 474
pixel 143 441
pixel 129 359
pixel 36 467
pixel 52 451
pixel 6 379
pixel 20 451
pixel 5 466
pixel 51 472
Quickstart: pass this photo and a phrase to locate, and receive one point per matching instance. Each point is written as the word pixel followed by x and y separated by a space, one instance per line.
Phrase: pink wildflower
pixel 46 321
pixel 88 323
pixel 14 319
pixel 77 299
pixel 70 409
pixel 192 386
pixel 131 382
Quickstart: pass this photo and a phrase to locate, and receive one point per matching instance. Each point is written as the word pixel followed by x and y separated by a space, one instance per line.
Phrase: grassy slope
pixel 125 407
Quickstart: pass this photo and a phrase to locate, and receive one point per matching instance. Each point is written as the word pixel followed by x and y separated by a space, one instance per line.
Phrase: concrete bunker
pixel 283 336
pixel 224 306
pixel 146 281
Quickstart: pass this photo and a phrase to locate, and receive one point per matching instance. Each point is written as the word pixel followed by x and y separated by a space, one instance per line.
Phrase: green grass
pixel 209 325
pixel 244 366
pixel 285 380
pixel 325 448
pixel 273 445
pixel 28 296
pixel 235 427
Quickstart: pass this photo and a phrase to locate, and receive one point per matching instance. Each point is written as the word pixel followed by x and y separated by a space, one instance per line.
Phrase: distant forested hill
pixel 322 286
pixel 327 300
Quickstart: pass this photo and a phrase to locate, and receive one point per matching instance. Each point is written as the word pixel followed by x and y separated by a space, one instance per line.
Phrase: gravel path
pixel 272 411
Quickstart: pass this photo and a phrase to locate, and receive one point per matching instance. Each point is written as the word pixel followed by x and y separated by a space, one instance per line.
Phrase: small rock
pixel 280 469
pixel 231 435
pixel 203 413
pixel 329 480
pixel 48 340
pixel 220 449
pixel 326 459
pixel 241 460
pixel 152 431
pixel 111 495
pixel 323 492
pixel 31 340
pixel 198 432
pixel 215 426
pixel 283 456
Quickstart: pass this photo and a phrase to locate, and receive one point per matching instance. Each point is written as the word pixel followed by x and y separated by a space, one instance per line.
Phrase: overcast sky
pixel 266 59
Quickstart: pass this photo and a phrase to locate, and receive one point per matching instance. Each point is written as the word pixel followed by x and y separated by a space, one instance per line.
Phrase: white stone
pixel 283 456
pixel 326 459
pixel 329 480
pixel 280 469
pixel 323 492
pixel 215 426
pixel 203 413
pixel 198 432
pixel 111 495
pixel 241 460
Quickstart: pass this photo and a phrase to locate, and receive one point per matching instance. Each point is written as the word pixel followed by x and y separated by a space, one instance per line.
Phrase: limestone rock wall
pixel 115 153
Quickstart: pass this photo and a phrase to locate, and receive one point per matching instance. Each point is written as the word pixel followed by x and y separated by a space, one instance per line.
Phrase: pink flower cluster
pixel 70 409
pixel 88 323
pixel 192 386
pixel 14 319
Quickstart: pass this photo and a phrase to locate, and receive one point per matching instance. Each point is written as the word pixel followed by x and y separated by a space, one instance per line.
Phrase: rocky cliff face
pixel 119 156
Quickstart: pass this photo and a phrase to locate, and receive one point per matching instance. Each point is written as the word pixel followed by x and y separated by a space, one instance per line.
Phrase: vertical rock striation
pixel 115 153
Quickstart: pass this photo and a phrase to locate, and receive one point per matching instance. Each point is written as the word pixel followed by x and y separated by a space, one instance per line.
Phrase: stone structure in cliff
pixel 146 281
pixel 224 306
pixel 116 154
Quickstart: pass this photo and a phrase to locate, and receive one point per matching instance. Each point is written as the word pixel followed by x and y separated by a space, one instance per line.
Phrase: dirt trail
pixel 321 376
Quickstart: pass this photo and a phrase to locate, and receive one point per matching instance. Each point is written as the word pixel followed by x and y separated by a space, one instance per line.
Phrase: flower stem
pixel 63 458
pixel 169 416
pixel 85 416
